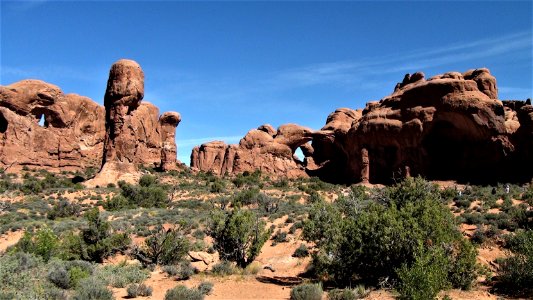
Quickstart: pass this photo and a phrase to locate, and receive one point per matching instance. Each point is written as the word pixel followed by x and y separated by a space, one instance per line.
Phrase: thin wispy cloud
pixel 199 141
pixel 350 72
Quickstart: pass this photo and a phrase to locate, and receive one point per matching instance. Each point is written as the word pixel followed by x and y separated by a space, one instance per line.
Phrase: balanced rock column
pixel 169 121
pixel 124 93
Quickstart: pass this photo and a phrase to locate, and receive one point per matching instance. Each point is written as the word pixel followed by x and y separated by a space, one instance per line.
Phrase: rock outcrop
pixel 40 126
pixel 448 127
pixel 266 149
pixel 134 133
pixel 77 133
pixel 451 126
pixel 169 151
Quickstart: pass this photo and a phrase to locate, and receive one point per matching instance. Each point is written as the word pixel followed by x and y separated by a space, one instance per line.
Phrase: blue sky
pixel 228 67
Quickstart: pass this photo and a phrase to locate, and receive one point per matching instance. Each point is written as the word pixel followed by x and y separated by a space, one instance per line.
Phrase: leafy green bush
pixel 181 292
pixel 308 291
pixel 98 238
pixel 43 243
pixel 238 235
pixel 516 271
pixel 375 242
pixel 425 277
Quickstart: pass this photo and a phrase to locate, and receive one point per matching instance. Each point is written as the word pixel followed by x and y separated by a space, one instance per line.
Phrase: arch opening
pixel 3 124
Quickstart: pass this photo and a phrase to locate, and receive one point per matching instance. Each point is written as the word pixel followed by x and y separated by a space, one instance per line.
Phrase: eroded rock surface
pixel 448 127
pixel 77 133
pixel 451 126
pixel 71 133
pixel 265 149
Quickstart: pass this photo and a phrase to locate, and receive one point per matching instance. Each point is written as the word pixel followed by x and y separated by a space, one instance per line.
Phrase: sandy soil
pixel 10 239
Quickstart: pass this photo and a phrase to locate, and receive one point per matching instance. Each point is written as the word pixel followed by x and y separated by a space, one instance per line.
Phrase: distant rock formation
pixel 78 133
pixel 451 126
pixel 266 149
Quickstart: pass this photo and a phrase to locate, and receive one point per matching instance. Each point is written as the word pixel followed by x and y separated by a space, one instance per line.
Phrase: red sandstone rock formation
pixel 76 128
pixel 265 149
pixel 169 121
pixel 71 136
pixel 134 133
pixel 448 127
pixel 451 126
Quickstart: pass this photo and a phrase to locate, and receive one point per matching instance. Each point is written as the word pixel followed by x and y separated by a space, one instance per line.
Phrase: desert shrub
pixel 314 197
pixel 171 270
pixel 181 292
pixel 246 197
pixel 135 290
pixel 122 274
pixel 59 276
pixel 358 292
pixel 516 271
pixel 463 203
pixel 268 204
pixel 199 234
pixel 218 186
pixel 149 193
pixel 425 277
pixel 163 247
pixel 238 235
pixel 64 209
pixel 23 276
pixel 301 251
pixel 43 242
pixel 374 242
pixel 98 239
pixel 281 183
pixel 247 179
pixel 205 287
pixel 185 270
pixel 308 291
pixel 223 268
pixel 528 195
pixel 479 236
pixel 279 237
pixel 92 288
